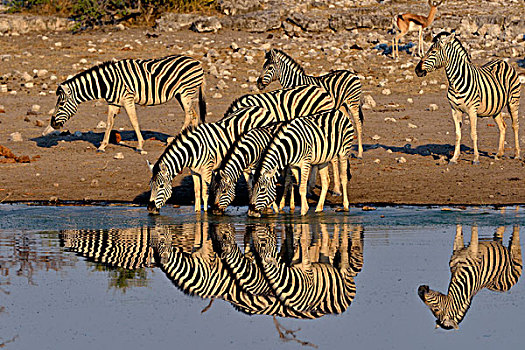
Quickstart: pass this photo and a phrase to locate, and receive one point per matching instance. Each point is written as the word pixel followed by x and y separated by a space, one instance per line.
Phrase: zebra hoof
pixel 475 162
pixel 452 162
pixel 336 194
pixel 342 210
pixel 141 151
pixel 101 150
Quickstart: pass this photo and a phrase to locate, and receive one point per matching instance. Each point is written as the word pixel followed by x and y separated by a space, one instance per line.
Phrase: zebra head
pixel 437 56
pixel 438 303
pixel 263 192
pixel 161 188
pixel 270 71
pixel 66 106
pixel 223 188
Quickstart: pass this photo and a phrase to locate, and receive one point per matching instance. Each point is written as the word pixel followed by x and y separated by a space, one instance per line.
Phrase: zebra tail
pixel 202 101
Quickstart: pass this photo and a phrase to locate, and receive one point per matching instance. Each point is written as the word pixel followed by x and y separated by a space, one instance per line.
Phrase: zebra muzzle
pixel 419 70
pixel 48 130
pixel 152 209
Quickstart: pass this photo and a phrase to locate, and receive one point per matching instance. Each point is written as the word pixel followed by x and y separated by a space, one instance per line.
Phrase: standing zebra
pixel 202 148
pixel 301 143
pixel 342 85
pixel 311 286
pixel 477 91
pixel 242 159
pixel 480 265
pixel 128 82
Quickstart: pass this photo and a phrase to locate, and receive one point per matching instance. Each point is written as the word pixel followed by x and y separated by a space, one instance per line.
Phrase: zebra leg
pixel 501 126
pixel 456 115
pixel 129 105
pixel 112 112
pixel 513 111
pixel 197 189
pixel 337 178
pixel 343 161
pixel 305 173
pixel 354 110
pixel 325 182
pixel 515 250
pixel 473 116
pixel 458 239
pixel 206 180
pixel 190 116
pixel 295 173
pixel 312 179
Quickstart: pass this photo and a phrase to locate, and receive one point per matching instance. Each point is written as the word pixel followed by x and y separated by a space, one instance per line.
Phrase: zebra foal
pixel 481 265
pixel 303 142
pixel 342 85
pixel 477 91
pixel 128 82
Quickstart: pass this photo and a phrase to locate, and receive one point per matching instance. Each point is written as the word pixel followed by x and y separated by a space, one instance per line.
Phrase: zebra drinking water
pixel 477 91
pixel 301 143
pixel 342 85
pixel 128 82
pixel 481 265
pixel 202 148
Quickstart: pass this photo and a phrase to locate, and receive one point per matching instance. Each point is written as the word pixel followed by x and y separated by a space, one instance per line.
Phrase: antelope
pixel 409 22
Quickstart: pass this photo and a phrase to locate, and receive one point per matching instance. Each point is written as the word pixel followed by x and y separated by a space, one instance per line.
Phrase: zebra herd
pixel 299 129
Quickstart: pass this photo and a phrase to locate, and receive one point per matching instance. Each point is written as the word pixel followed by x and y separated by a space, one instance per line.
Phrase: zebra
pixel 311 286
pixel 242 159
pixel 481 265
pixel 201 272
pixel 202 148
pixel 303 142
pixel 128 82
pixel 343 85
pixel 124 248
pixel 477 91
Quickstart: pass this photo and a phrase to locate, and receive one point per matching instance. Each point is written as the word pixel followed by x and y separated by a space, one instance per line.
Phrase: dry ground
pixel 70 169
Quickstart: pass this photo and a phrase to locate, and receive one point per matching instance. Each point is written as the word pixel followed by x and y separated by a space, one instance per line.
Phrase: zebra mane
pixel 296 66
pixel 183 134
pixel 230 109
pixel 89 71
pixel 456 41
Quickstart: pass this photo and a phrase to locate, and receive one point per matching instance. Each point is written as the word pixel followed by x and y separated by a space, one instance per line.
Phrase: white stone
pixel 386 92
pixel 390 119
pixel 53 78
pixel 421 92
pixel 29 85
pixel 101 125
pixel 26 76
pixel 410 100
pixel 369 100
pixel 433 107
pixel 15 137
pixel 401 160
pixel 58 44
pixel 442 86
pixel 119 155
pixel 377 160
pixel 375 137
pixel 412 126
pixel 35 108
pixel 217 95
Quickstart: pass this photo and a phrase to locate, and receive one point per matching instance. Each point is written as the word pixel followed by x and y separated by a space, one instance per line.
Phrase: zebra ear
pixel 150 166
pixel 272 173
pixel 449 38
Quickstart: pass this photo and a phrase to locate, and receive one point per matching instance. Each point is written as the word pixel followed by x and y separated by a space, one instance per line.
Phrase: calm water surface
pixel 113 277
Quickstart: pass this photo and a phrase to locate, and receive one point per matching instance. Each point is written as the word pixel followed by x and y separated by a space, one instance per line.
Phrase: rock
pixel 119 155
pixel 2 109
pixel 29 85
pixel 26 76
pixel 467 26
pixel 390 119
pixel 120 26
pixel 206 25
pixel 15 137
pixel 39 123
pixel 3 87
pixel 401 160
pixel 377 160
pixel 257 22
pixel 115 137
pixel 410 100
pixel 41 73
pixel 101 125
pixel 432 107
pixel 386 92
pixel 308 23
pixel 94 183
pixel 376 137
pixel 170 21
pixel 412 126
pixel 442 86
pixel 493 30
pixel 369 100
pixel 217 95
pixel 235 7
pixel 35 110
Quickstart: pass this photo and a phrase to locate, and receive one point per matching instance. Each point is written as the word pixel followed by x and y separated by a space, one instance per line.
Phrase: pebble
pixel 376 137
pixel 94 183
pixel 35 109
pixel 386 92
pixel 401 160
pixel 29 85
pixel 3 88
pixel 377 160
pixel 26 76
pixel 2 109
pixel 421 92
pixel 390 119
pixel 39 123
pixel 412 126
pixel 249 59
pixel 101 125
pixel 53 78
pixel 58 44
pixel 83 61
pixel 119 155
pixel 369 100
pixel 41 73
pixel 432 107
pixel 234 46
pixel 442 86
pixel 55 184
pixel 410 100
pixel 15 137
pixel 217 95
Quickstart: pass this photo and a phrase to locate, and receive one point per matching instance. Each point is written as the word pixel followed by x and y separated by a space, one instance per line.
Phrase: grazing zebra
pixel 342 85
pixel 128 82
pixel 242 159
pixel 480 265
pixel 301 143
pixel 477 91
pixel 203 273
pixel 202 148
pixel 311 286
pixel 125 248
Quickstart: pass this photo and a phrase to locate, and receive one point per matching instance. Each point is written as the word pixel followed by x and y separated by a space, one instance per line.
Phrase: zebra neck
pixel 463 286
pixel 291 76
pixel 459 70
pixel 86 86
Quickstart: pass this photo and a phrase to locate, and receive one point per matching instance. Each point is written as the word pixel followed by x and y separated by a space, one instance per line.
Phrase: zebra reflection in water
pixel 486 264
